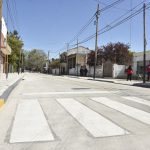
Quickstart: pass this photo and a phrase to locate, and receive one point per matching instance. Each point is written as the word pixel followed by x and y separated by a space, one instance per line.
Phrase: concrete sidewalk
pixel 116 81
pixel 7 85
pixel 125 82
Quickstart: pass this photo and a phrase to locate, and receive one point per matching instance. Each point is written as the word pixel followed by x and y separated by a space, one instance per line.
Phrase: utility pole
pixel 67 59
pixel 6 58
pixel 59 64
pixel 22 61
pixel 96 40
pixel 0 34
pixel 77 56
pixel 48 63
pixel 144 53
pixel 19 66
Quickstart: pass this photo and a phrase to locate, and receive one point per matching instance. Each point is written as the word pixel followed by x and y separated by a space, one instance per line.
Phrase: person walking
pixel 148 72
pixel 129 73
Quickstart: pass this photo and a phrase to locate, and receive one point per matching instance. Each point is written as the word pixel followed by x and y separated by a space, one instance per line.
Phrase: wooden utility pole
pixel 96 40
pixel 0 34
pixel 48 63
pixel 19 66
pixel 144 37
pixel 59 65
pixel 22 61
pixel 6 57
pixel 77 56
pixel 67 59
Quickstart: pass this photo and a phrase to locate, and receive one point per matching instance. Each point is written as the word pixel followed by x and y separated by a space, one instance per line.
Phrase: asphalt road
pixel 62 113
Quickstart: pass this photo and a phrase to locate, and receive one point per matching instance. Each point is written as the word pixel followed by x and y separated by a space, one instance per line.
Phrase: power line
pixel 111 5
pixel 82 29
pixel 14 5
pixel 10 14
pixel 93 17
pixel 109 27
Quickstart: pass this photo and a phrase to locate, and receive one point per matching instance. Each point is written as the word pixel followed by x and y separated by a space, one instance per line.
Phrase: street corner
pixel 2 102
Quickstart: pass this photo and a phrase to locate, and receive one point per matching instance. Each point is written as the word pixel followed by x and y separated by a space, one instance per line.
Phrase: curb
pixel 1 102
pixel 6 93
pixel 141 85
pixel 101 80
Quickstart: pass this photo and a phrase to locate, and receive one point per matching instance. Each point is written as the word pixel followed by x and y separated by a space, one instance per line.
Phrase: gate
pixel 107 69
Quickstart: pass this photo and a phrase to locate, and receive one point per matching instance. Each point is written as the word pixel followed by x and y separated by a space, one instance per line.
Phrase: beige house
pixel 77 57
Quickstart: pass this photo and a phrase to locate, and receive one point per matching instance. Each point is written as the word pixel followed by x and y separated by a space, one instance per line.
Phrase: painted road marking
pixel 1 102
pixel 96 124
pixel 30 124
pixel 71 92
pixel 127 110
pixel 138 100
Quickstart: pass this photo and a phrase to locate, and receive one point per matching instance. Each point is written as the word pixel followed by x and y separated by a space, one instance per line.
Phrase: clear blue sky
pixel 49 24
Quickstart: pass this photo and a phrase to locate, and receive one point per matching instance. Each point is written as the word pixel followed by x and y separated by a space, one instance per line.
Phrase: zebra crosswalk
pixel 125 109
pixel 138 100
pixel 99 125
pixel 96 123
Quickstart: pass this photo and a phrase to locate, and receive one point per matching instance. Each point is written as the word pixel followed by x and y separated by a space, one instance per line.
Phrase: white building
pixel 138 61
pixel 5 48
pixel 77 57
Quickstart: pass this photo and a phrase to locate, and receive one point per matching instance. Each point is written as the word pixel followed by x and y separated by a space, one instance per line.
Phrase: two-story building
pixel 77 57
pixel 5 49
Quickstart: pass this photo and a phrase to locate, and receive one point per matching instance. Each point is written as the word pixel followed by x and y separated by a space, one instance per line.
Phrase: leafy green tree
pixel 35 60
pixel 16 45
pixel 55 63
pixel 63 57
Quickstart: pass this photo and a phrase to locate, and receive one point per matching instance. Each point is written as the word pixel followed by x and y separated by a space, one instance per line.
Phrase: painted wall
pixel 119 71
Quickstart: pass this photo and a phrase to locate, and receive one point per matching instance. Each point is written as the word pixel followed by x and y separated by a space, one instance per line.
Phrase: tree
pixel 35 60
pixel 91 58
pixel 117 53
pixel 16 45
pixel 63 57
pixel 55 63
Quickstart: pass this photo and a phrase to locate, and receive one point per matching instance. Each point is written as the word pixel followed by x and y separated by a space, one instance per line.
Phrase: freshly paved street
pixel 47 112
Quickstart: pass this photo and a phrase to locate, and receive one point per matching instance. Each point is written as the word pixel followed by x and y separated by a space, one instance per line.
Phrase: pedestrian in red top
pixel 129 73
pixel 148 72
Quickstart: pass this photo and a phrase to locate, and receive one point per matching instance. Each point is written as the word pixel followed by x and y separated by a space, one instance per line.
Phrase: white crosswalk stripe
pixel 30 124
pixel 95 123
pixel 127 110
pixel 70 92
pixel 138 100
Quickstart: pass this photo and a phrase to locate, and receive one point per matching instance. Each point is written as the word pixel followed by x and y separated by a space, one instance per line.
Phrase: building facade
pixel 77 58
pixel 138 61
pixel 5 49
